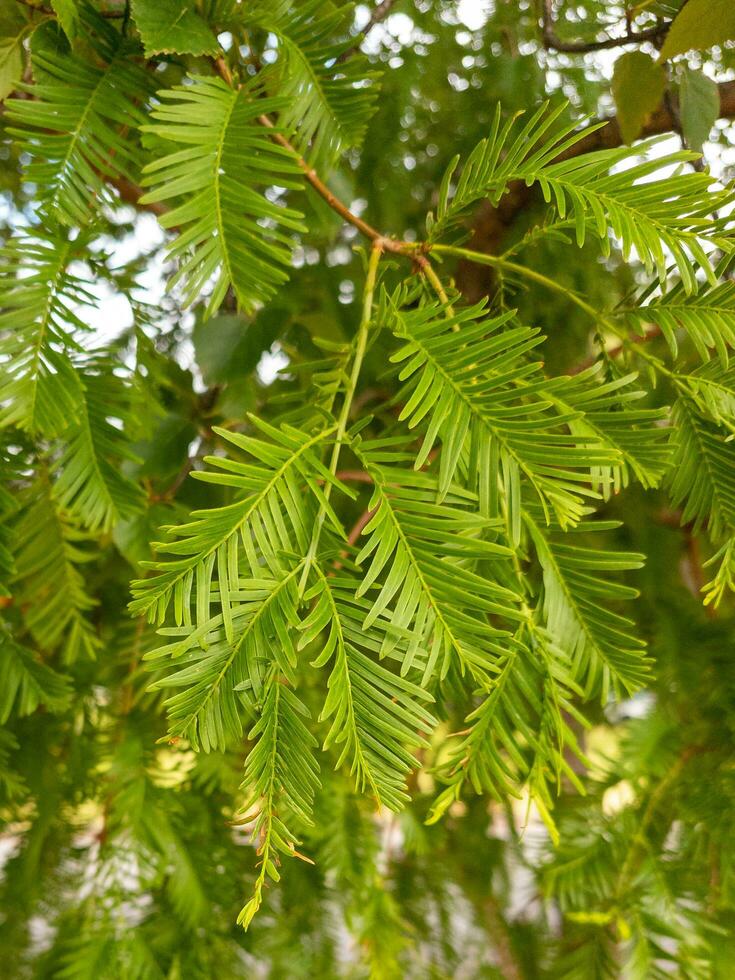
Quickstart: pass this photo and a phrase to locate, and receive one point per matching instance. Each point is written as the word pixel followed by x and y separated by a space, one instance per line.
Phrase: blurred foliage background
pixel 120 857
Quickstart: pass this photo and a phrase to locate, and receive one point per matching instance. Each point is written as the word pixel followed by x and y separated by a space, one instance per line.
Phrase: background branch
pixel 554 43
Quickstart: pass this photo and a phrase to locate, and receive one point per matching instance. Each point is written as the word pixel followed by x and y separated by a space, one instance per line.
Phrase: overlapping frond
pixel 420 568
pixel 605 412
pixel 89 483
pixel 656 217
pixel 329 101
pixel 604 653
pixel 281 775
pixel 77 127
pixel 520 730
pixel 703 474
pixel 39 299
pixel 9 506
pixel 376 715
pixel 496 160
pixel 707 316
pixel 210 668
pixel 231 232
pixel 463 372
pixel 49 548
pixel 26 682
pixel 271 517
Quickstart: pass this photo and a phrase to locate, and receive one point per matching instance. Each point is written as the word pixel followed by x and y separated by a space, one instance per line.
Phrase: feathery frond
pixel 26 682
pixel 421 557
pixel 230 230
pixel 606 413
pixel 51 590
pixel 707 317
pixel 281 776
pixel 89 483
pixel 269 519
pixel 604 654
pixel 519 731
pixel 703 474
pixel 376 715
pixel 328 101
pixel 711 387
pixel 211 668
pixel 39 297
pixel 77 126
pixel 465 372
pixel 655 217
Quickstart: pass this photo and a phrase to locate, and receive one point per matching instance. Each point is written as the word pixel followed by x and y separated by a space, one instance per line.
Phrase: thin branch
pixel 388 245
pixel 554 43
pixel 378 15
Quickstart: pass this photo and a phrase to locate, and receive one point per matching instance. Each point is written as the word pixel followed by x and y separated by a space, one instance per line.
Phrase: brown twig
pixel 378 15
pixel 554 43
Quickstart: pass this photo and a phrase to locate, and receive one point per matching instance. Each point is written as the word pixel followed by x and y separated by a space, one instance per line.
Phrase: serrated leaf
pixel 638 86
pixel 699 25
pixel 699 100
pixel 170 27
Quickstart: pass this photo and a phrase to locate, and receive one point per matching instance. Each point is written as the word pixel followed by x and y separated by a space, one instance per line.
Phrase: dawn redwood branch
pixel 554 43
pixel 324 192
pixel 491 223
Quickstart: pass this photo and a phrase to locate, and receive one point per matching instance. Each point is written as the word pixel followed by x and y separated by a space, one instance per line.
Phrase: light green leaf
pixel 49 585
pixel 604 651
pixel 700 24
pixel 41 299
pixel 168 26
pixel 68 13
pixel 329 99
pixel 77 127
pixel 700 106
pixel 13 30
pixel 638 86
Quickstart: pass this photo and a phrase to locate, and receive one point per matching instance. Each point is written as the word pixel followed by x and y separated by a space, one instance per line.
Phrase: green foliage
pixel 638 86
pixel 700 107
pixel 14 29
pixel 230 228
pixel 701 24
pixel 169 27
pixel 75 127
pixel 376 716
pixel 328 100
pixel 432 543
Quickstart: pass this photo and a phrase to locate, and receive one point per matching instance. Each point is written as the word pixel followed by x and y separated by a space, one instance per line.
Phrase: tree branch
pixel 554 43
pixel 378 15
